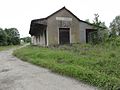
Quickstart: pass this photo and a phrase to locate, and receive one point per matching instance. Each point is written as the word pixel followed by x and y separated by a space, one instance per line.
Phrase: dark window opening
pixel 89 34
pixel 64 35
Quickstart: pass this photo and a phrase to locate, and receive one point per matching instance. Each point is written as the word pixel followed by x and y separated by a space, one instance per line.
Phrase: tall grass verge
pixel 96 65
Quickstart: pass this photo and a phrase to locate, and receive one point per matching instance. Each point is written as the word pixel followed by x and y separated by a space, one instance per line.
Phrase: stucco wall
pixel 83 27
pixel 52 28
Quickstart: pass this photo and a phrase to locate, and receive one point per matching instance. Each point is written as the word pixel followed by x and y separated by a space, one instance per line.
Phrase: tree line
pixel 9 36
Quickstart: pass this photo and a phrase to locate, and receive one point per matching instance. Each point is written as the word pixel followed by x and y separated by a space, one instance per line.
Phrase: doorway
pixel 64 35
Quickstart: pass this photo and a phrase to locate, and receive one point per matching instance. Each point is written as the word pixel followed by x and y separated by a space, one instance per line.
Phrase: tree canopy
pixel 98 22
pixel 3 37
pixel 9 36
pixel 115 26
pixel 26 39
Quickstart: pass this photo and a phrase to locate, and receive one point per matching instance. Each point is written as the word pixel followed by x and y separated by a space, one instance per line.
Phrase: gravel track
pixel 18 75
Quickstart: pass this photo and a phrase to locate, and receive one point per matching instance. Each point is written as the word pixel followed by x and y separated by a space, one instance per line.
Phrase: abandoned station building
pixel 61 27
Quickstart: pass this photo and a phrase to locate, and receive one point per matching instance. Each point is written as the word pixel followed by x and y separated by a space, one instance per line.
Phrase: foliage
pixel 13 36
pixel 98 22
pixel 97 65
pixel 101 34
pixel 26 39
pixel 9 36
pixel 3 37
pixel 115 26
pixel 113 41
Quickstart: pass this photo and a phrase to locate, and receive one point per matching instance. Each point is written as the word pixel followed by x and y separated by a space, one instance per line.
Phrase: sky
pixel 19 13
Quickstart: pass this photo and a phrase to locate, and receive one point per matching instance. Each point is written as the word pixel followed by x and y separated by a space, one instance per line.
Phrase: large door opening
pixel 64 35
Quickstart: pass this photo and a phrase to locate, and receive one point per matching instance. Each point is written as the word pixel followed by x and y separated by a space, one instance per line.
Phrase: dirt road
pixel 18 75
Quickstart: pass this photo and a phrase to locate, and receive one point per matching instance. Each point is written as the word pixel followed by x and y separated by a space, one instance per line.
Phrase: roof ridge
pixel 55 12
pixel 70 13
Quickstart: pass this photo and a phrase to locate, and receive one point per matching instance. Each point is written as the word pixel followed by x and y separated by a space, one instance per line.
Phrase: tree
pixel 101 32
pixel 98 22
pixel 9 36
pixel 3 37
pixel 13 36
pixel 26 39
pixel 115 26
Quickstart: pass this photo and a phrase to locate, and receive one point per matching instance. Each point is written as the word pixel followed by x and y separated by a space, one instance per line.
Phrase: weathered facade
pixel 62 27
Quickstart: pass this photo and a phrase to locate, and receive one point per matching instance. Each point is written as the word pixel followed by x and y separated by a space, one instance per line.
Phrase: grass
pixel 7 47
pixel 96 65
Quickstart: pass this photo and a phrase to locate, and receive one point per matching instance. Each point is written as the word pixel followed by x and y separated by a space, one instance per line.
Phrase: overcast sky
pixel 19 13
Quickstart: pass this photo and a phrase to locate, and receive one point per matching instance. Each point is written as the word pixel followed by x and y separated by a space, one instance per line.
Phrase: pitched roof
pixel 70 13
pixel 36 20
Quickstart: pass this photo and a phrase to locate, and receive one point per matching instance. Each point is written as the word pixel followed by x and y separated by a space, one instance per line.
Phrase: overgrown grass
pixel 96 65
